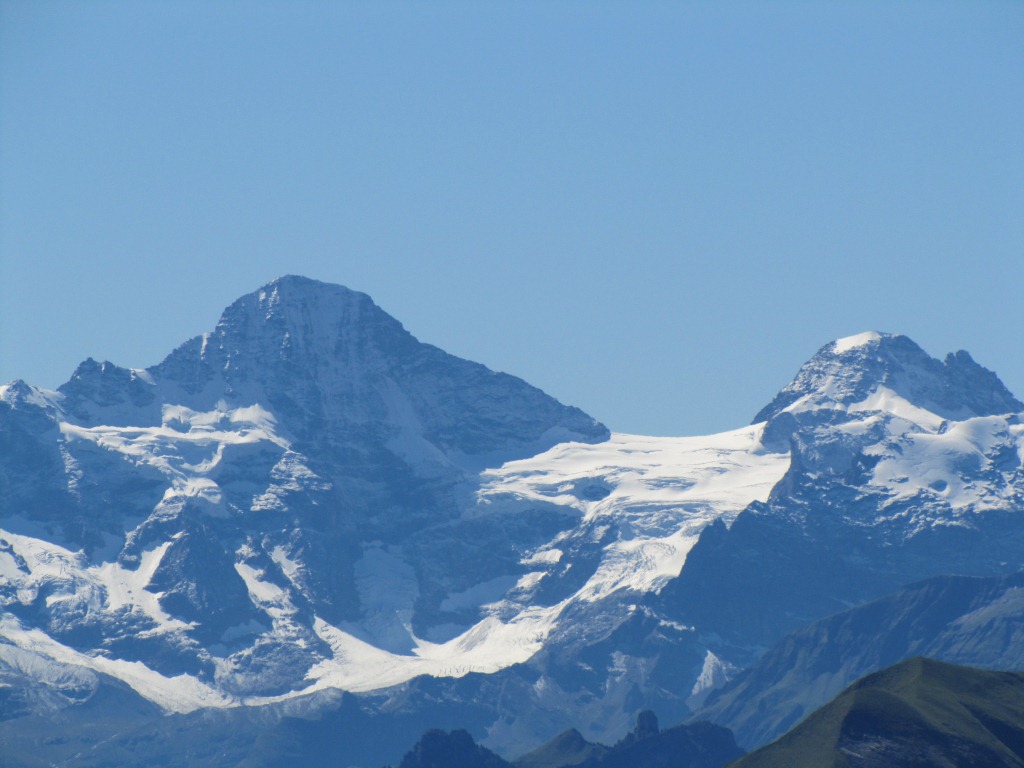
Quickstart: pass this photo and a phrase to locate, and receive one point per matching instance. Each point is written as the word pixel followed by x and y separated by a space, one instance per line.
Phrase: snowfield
pixel 657 492
pixel 308 498
pixel 660 493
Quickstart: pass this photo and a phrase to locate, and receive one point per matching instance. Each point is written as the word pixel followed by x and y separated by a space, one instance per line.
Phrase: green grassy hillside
pixel 919 713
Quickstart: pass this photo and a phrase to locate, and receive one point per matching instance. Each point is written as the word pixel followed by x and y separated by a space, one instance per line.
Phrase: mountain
pixel 972 621
pixel 439 749
pixel 902 468
pixel 221 514
pixel 566 749
pixel 308 499
pixel 696 745
pixel 889 372
pixel 701 745
pixel 308 527
pixel 114 726
pixel 917 713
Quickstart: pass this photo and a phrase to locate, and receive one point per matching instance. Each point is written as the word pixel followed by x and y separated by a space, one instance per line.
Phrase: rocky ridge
pixel 309 500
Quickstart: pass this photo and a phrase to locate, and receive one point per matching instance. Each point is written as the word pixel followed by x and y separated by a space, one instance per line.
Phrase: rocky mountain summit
pixel 308 500
pixel 901 468
pixel 213 514
pixel 882 372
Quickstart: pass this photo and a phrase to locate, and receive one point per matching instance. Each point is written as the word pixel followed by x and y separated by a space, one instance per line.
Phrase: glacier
pixel 228 452
pixel 308 500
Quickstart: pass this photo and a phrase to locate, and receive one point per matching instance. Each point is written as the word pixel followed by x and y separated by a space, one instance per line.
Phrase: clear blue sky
pixel 654 211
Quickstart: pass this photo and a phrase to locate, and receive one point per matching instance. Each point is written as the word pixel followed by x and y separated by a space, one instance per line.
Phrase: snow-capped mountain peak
pixel 18 392
pixel 308 498
pixel 887 372
pixel 250 495
pixel 306 323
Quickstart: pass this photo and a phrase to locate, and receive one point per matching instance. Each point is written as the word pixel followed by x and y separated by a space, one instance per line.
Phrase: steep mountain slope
pixel 221 508
pixel 888 372
pixel 965 620
pixel 308 498
pixel 917 713
pixel 701 745
pixel 901 468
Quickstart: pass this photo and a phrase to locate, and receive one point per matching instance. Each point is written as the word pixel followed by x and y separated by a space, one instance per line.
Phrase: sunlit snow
pixel 662 490
pixel 852 342
pixel 634 505
pixel 659 493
